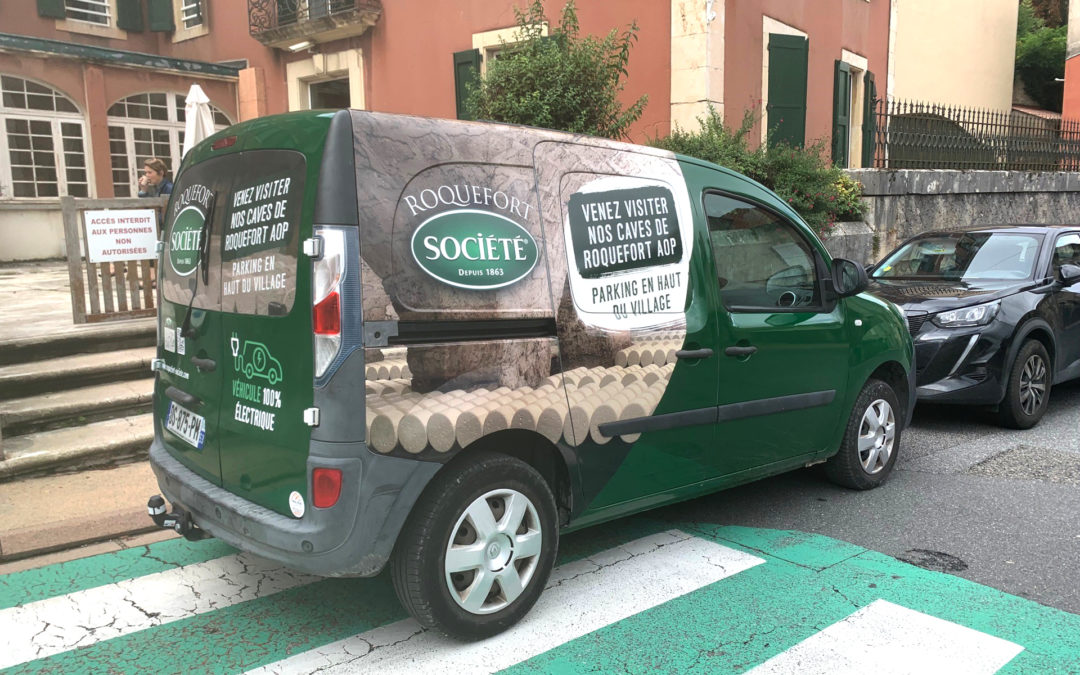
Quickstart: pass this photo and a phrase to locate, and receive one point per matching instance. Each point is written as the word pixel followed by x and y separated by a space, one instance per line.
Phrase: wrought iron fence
pixel 913 135
pixel 264 15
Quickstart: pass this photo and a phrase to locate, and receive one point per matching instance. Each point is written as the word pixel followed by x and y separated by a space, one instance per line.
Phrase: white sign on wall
pixel 119 235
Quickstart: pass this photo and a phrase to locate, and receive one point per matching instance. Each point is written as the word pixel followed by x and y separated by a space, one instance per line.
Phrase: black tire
pixel 418 567
pixel 870 467
pixel 1027 393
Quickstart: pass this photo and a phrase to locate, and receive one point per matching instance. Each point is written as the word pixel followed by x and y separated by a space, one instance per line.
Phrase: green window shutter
pixel 129 15
pixel 869 121
pixel 160 13
pixel 841 113
pixel 51 9
pixel 788 59
pixel 466 74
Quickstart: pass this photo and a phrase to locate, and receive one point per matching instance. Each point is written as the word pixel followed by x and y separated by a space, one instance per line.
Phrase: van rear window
pixel 262 231
pixel 254 201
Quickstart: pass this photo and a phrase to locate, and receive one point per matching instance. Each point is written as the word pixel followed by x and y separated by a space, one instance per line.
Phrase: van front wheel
pixel 871 440
pixel 478 547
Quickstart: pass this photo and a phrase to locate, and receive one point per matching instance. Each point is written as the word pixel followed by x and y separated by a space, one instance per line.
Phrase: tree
pixel 1040 56
pixel 802 176
pixel 564 81
pixel 1054 12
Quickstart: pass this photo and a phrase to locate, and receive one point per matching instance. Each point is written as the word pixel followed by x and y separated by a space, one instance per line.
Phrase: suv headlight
pixel 977 315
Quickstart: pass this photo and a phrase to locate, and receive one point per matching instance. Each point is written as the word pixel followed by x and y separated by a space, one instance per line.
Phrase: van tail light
pixel 327 315
pixel 325 487
pixel 328 271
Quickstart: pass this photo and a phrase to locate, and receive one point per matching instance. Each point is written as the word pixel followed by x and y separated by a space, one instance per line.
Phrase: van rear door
pixel 267 372
pixel 234 386
pixel 191 346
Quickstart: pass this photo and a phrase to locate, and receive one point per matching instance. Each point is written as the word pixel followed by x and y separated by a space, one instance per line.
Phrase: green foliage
pixel 821 193
pixel 1027 21
pixel 1040 60
pixel 565 81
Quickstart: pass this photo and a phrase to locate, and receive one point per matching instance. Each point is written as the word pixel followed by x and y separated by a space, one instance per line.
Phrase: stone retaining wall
pixel 903 203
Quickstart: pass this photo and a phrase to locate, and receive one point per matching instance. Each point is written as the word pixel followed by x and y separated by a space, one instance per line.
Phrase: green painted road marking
pixel 808 583
pixel 20 588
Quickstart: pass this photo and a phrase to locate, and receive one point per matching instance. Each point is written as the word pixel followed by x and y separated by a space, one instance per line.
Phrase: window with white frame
pixel 143 126
pixel 90 11
pixel 42 139
pixel 191 13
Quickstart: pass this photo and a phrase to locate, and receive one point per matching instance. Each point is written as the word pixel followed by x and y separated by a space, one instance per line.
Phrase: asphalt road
pixel 999 507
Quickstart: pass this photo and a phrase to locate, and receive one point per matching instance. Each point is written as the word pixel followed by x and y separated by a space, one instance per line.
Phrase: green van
pixel 439 344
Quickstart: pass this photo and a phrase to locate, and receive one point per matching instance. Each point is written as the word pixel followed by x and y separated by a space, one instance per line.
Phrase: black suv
pixel 994 313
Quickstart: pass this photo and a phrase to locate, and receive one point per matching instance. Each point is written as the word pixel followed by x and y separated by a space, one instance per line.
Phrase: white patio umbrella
pixel 199 121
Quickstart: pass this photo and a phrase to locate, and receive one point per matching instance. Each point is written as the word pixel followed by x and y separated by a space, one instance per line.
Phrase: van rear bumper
pixel 355 537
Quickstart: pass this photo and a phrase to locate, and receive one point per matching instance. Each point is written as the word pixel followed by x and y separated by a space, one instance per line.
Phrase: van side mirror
pixel 1070 274
pixel 849 278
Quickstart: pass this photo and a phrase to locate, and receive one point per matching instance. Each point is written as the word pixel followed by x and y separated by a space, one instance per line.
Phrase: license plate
pixel 186 424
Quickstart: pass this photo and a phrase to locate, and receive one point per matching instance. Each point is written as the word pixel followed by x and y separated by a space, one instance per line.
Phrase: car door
pixel 783 346
pixel 1067 298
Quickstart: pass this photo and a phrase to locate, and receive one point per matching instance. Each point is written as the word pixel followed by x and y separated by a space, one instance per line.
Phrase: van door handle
pixel 183 398
pixel 205 365
pixel 693 353
pixel 740 351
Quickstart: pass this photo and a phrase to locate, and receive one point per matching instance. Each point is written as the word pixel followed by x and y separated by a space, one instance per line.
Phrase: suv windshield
pixel 963 256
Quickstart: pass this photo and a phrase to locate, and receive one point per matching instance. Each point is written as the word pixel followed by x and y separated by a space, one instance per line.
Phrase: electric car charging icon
pixel 255 360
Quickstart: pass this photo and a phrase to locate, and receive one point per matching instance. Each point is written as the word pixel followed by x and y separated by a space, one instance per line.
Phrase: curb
pixel 33 541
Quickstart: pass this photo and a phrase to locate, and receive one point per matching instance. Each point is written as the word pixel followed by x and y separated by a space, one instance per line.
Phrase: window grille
pixel 147 125
pixel 91 11
pixel 191 13
pixel 43 135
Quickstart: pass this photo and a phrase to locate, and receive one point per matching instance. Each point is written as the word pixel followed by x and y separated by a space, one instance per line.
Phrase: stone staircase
pixel 76 399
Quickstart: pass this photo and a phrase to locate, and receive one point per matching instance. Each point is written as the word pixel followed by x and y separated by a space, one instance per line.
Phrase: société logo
pixel 474 249
pixel 184 239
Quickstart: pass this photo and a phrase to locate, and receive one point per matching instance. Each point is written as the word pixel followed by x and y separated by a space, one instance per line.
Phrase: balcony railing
pixel 280 23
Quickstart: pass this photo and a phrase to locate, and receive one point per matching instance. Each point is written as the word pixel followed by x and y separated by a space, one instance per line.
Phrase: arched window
pixel 147 125
pixel 43 141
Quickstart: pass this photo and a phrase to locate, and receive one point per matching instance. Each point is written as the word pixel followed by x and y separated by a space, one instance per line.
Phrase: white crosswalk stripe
pixel 55 625
pixel 581 597
pixel 886 639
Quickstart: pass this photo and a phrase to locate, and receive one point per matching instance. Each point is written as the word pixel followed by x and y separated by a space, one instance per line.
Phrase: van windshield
pixel 253 201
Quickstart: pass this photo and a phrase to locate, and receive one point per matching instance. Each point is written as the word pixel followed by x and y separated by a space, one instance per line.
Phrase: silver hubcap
pixel 1032 384
pixel 493 552
pixel 877 433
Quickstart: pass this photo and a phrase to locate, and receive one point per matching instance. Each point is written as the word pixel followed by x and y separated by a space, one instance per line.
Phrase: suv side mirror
pixel 849 278
pixel 1070 274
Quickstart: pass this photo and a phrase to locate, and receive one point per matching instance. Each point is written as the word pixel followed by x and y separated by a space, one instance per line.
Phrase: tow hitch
pixel 179 521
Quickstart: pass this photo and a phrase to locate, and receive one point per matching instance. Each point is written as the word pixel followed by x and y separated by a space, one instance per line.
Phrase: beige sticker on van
pixel 628 252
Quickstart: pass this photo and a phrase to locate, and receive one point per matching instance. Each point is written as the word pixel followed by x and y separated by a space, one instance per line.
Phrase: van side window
pixel 762 261
pixel 1066 251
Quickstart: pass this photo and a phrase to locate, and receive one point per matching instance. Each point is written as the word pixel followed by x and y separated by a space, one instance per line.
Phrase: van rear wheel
pixel 871 440
pixel 478 547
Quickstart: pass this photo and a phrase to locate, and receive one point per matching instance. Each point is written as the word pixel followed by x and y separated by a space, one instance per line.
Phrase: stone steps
pixel 73 407
pixel 109 442
pixel 73 372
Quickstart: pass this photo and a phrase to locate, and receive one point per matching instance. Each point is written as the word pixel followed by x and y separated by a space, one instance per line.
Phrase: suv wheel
pixel 478 547
pixel 1028 391
pixel 868 452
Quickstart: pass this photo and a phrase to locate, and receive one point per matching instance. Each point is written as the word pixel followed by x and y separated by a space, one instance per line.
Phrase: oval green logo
pixel 474 249
pixel 184 240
